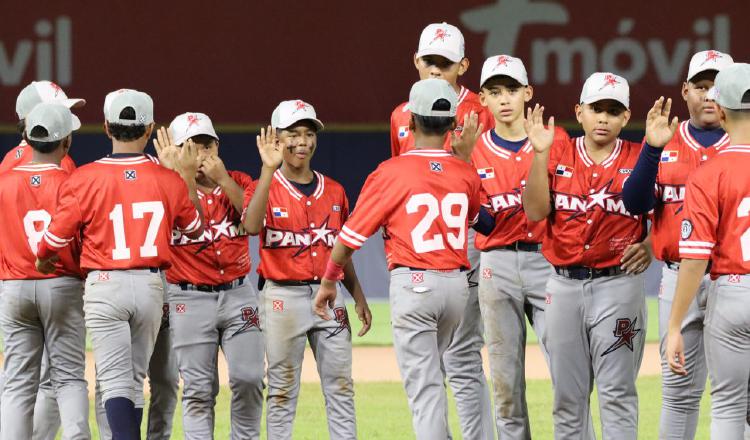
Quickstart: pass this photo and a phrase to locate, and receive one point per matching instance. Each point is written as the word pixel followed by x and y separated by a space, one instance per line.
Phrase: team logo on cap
pixel 440 34
pixel 56 88
pixel 502 60
pixel 711 56
pixel 300 105
pixel 192 120
pixel 609 81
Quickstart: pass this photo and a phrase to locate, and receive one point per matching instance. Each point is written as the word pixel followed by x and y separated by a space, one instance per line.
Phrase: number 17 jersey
pixel 425 201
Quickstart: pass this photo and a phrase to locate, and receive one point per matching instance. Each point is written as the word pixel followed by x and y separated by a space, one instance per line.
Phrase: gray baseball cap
pixel 730 86
pixel 117 101
pixel 54 117
pixel 43 91
pixel 425 93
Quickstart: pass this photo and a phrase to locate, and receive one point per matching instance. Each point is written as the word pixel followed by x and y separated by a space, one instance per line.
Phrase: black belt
pixel 676 266
pixel 521 246
pixel 587 273
pixel 213 287
pixel 150 269
pixel 419 269
pixel 295 282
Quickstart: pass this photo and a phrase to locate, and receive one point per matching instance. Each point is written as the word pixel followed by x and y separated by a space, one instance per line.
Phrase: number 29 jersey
pixel 425 201
pixel 125 207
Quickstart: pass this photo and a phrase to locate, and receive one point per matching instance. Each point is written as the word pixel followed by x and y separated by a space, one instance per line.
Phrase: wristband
pixel 334 272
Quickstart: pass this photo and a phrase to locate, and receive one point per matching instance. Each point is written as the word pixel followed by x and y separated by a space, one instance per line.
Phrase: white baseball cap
pixel 43 91
pixel 504 65
pixel 288 113
pixel 604 85
pixel 54 117
pixel 115 102
pixel 730 86
pixel 708 60
pixel 425 93
pixel 442 39
pixel 187 125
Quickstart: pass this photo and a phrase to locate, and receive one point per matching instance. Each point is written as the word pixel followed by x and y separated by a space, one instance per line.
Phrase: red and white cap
pixel 187 125
pixel 441 39
pixel 288 113
pixel 708 60
pixel 504 65
pixel 43 91
pixel 604 85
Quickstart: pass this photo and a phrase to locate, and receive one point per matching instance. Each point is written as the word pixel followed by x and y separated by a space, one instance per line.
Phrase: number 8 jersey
pixel 28 196
pixel 125 206
pixel 425 200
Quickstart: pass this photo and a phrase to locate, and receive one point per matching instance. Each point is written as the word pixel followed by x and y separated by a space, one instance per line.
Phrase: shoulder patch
pixel 686 229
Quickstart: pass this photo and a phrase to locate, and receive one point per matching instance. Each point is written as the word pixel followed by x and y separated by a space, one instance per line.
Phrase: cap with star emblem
pixel 288 113
pixel 53 117
pixel 504 65
pixel 604 85
pixel 441 39
pixel 187 125
pixel 708 60
pixel 115 102
pixel 43 91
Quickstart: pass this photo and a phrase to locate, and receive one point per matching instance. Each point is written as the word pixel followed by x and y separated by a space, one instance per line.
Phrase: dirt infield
pixel 378 364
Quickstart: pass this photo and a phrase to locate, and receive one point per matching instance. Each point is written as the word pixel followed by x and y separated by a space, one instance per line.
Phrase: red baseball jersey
pixel 299 231
pixel 680 157
pixel 503 174
pixel 716 222
pixel 22 154
pixel 28 195
pixel 221 254
pixel 125 206
pixel 402 140
pixel 589 225
pixel 425 201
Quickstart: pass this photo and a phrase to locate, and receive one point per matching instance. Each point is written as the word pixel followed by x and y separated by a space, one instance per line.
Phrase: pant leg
pixel 46 412
pixel 425 311
pixel 566 339
pixel 60 305
pixel 331 343
pixel 148 301
pixel 243 347
pixel 286 319
pixel 728 352
pixel 100 414
pixel 23 342
pixel 681 395
pixel 617 333
pixel 164 381
pixel 463 362
pixel 195 338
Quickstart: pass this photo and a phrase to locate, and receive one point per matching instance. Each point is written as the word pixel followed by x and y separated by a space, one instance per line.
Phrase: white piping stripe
pixel 321 185
pixel 614 155
pixel 493 147
pixel 344 237
pixel 685 133
pixel 696 244
pixel 462 94
pixel 285 183
pixel 581 148
pixel 56 238
pixel 194 224
pixel 39 167
pixel 427 153
pixel 354 234
pixel 695 251
pixel 54 245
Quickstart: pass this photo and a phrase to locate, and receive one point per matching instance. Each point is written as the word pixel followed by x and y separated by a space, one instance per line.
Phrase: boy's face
pixel 206 146
pixel 603 120
pixel 298 143
pixel 436 66
pixel 506 98
pixel 702 112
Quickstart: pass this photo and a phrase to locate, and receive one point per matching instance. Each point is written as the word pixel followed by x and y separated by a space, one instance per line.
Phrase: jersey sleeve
pixel 186 218
pixel 248 188
pixel 368 215
pixel 8 161
pixel 395 146
pixel 701 215
pixel 68 164
pixel 65 224
pixel 475 199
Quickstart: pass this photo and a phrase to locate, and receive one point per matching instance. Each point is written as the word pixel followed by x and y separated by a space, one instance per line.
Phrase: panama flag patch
pixel 669 156
pixel 564 171
pixel 486 173
pixel 279 212
pixel 403 131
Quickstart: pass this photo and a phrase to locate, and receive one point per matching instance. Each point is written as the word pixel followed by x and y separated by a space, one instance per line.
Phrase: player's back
pixel 28 195
pixel 128 205
pixel 22 155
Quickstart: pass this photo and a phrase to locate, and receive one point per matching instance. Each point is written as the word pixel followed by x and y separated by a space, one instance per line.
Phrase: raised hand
pixel 541 137
pixel 659 130
pixel 268 147
pixel 187 161
pixel 165 148
pixel 463 143
pixel 213 168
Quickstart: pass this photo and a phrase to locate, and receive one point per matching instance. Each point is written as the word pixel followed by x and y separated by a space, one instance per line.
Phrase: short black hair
pixel 127 133
pixel 302 123
pixel 203 139
pixel 21 126
pixel 435 125
pixel 709 74
pixel 42 147
pixel 501 80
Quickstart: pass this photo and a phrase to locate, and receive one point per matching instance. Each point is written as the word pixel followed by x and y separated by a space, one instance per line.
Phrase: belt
pixel 676 266
pixel 419 269
pixel 521 246
pixel 150 269
pixel 213 288
pixel 295 282
pixel 587 273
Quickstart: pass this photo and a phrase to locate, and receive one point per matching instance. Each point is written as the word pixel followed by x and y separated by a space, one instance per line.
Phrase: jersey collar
pixel 318 193
pixel 693 143
pixel 427 153
pixel 606 163
pixel 32 167
pixel 499 150
pixel 462 94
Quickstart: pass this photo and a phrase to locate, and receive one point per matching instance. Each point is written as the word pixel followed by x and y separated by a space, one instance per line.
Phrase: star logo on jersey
pixel 711 57
pixel 300 105
pixel 625 332
pixel 609 81
pixel 440 34
pixel 599 197
pixel 227 227
pixel 36 180
pixel 179 308
pixel 130 175
pixel 510 201
pixel 250 317
pixel 342 318
pixel 278 305
pixel 320 235
pixel 609 202
pixel 222 228
pixel 436 167
pixel 502 60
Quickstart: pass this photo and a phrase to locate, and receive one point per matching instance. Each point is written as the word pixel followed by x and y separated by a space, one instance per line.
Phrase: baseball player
pixel 298 213
pixel 125 206
pixel 425 200
pixel 440 54
pixel 513 272
pixel 667 166
pixel 40 311
pixel 595 305
pixel 212 304
pixel 715 226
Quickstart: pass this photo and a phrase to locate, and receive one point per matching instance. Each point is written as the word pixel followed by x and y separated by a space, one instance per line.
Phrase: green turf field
pixel 380 333
pixel 382 412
